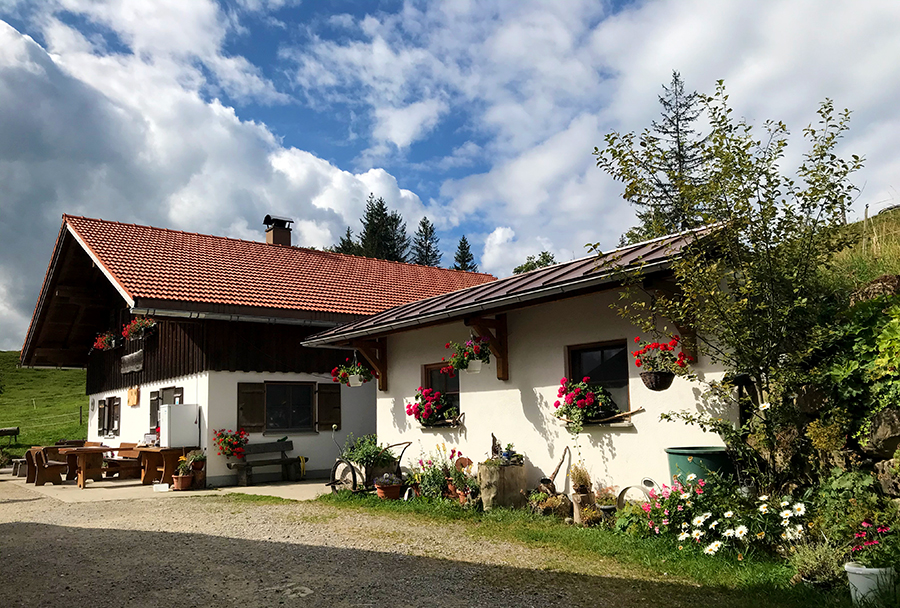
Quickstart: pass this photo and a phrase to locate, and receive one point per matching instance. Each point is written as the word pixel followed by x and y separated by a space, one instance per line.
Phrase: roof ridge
pixel 66 217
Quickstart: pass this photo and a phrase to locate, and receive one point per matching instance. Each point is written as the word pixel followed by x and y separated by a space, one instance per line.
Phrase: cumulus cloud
pixel 131 137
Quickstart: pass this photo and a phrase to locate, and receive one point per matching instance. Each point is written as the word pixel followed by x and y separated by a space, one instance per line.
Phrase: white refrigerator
pixel 179 425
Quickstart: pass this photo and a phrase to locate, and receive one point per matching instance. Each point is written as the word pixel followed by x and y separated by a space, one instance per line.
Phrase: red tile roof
pixel 161 264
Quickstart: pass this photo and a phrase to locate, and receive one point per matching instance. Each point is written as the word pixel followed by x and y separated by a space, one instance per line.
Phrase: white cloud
pixel 403 126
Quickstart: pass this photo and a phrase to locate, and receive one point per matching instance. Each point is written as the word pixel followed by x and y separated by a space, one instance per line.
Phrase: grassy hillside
pixel 43 403
pixel 877 252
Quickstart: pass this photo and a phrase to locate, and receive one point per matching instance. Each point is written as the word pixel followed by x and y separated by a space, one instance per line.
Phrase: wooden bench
pixel 292 468
pixel 126 463
pixel 11 432
pixel 48 467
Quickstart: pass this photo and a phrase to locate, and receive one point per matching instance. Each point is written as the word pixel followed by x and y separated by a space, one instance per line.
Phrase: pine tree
pixel 347 244
pixel 668 160
pixel 425 245
pixel 464 260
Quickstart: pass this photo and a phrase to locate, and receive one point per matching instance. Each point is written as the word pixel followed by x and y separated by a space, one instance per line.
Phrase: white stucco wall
pixel 134 422
pixel 357 417
pixel 216 394
pixel 520 410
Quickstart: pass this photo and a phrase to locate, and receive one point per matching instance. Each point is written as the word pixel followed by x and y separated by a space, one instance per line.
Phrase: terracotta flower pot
pixel 181 482
pixel 388 492
pixel 657 381
pixel 198 465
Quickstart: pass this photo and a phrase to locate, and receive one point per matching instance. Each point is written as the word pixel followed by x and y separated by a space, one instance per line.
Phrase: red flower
pixel 638 362
pixel 586 379
pixel 637 339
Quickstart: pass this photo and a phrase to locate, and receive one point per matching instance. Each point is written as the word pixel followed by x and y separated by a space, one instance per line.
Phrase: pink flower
pixel 556 404
pixel 563 381
pixel 701 483
pixel 646 507
pixel 883 529
pixel 865 524
pixel 586 379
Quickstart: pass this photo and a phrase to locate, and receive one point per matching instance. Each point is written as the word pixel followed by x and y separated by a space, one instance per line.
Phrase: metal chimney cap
pixel 278 221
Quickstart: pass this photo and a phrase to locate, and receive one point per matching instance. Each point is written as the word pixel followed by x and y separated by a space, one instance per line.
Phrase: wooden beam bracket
pixel 494 330
pixel 375 353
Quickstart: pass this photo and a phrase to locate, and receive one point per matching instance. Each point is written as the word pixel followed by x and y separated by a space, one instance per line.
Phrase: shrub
pixel 366 452
pixel 581 479
pixel 821 563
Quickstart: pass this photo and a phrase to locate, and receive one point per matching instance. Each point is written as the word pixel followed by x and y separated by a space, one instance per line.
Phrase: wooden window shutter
pixel 251 406
pixel 116 405
pixel 328 406
pixel 101 417
pixel 154 410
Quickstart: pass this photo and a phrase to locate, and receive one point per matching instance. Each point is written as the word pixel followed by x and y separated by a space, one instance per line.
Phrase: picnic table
pixel 159 464
pixel 87 461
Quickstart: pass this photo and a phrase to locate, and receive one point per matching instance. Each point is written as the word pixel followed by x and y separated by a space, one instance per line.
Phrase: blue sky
pixel 206 116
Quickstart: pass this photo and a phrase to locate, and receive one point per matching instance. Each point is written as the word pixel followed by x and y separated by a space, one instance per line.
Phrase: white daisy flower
pixel 696 534
pixel 764 498
pixel 763 508
pixel 684 524
pixel 729 514
pixel 799 528
pixel 713 525
pixel 684 536
pixel 707 515
pixel 685 496
pixel 728 533
pixel 764 406
pixel 698 521
pixel 691 477
pixel 713 547
pixel 785 503
pixel 799 508
pixel 786 514
pixel 741 531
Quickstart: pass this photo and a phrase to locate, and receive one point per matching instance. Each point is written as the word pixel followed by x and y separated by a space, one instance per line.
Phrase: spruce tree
pixel 668 161
pixel 374 234
pixel 464 260
pixel 425 245
pixel 347 244
pixel 396 245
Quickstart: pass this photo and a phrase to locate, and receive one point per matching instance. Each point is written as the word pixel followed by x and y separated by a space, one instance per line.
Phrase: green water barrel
pixel 698 460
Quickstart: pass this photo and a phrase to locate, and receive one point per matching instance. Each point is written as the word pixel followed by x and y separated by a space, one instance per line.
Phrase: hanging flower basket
pixel 139 328
pixel 468 356
pixel 657 381
pixel 353 373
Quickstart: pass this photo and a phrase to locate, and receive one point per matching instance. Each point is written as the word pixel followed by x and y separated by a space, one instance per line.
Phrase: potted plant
pixel 104 341
pixel 659 364
pixel 388 486
pixel 182 478
pixel 605 500
pixel 818 565
pixel 875 555
pixel 581 490
pixel 230 443
pixel 501 478
pixel 197 458
pixel 430 408
pixel 352 374
pixel 469 356
pixel 579 403
pixel 138 328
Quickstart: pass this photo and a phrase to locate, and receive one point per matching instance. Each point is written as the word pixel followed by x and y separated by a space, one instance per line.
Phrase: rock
pixel 885 434
pixel 884 472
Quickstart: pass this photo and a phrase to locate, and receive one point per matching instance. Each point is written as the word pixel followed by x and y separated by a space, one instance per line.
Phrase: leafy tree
pixel 752 287
pixel 425 245
pixel 464 260
pixel 534 262
pixel 347 244
pixel 663 170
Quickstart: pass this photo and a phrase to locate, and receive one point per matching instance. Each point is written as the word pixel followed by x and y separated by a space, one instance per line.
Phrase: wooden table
pixel 88 461
pixel 159 464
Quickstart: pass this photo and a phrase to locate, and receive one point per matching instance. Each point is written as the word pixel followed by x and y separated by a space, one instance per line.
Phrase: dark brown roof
pixel 553 282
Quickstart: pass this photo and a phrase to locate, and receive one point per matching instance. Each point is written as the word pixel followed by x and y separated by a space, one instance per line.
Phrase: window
pixel 171 395
pixel 448 386
pixel 108 416
pixel 606 365
pixel 288 406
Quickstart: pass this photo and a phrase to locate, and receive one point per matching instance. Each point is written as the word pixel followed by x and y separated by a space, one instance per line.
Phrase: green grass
pixel 877 253
pixel 761 579
pixel 43 403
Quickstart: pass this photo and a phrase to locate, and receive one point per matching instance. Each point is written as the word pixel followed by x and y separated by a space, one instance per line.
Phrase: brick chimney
pixel 278 230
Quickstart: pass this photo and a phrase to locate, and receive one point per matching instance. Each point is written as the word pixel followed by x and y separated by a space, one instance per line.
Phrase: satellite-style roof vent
pixel 278 230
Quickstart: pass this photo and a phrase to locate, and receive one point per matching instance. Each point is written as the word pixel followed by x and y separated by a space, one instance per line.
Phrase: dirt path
pixel 219 552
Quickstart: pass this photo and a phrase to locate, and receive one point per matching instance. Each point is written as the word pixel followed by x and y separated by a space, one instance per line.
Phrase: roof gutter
pixel 460 312
pixel 188 314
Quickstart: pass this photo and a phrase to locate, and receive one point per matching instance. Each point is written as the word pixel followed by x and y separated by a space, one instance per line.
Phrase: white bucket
pixel 474 366
pixel 355 380
pixel 870 581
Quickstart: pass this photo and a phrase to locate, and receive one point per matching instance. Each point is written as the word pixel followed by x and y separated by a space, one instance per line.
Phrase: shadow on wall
pixel 189 569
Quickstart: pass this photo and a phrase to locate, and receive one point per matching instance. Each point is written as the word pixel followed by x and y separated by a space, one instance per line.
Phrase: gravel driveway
pixel 215 551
